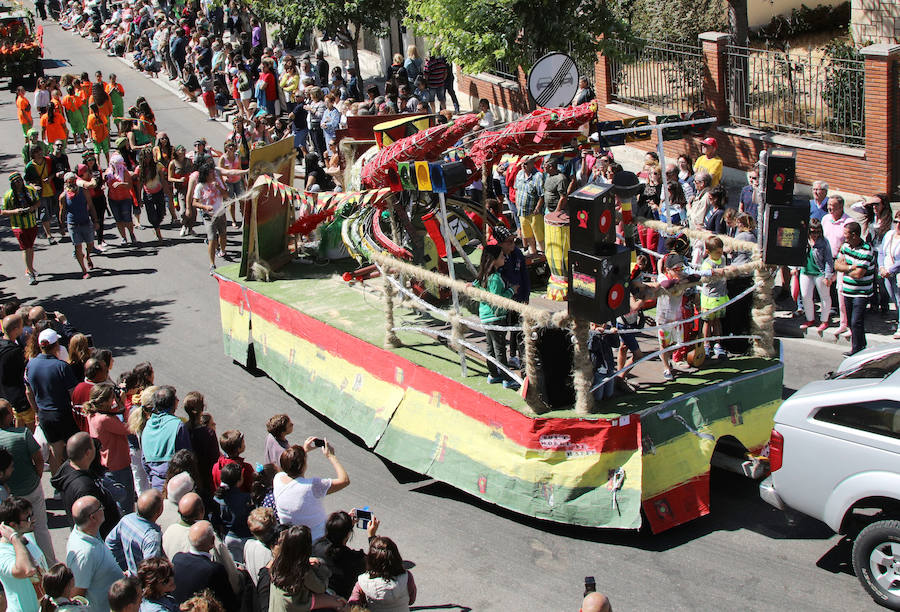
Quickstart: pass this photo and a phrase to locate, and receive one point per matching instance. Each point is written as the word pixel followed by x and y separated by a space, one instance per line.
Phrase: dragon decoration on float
pixel 361 221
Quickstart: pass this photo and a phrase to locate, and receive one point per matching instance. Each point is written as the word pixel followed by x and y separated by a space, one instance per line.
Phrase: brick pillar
pixel 881 107
pixel 714 62
pixel 602 81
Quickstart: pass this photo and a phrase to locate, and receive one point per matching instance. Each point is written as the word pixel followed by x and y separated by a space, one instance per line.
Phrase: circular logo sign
pixel 553 80
pixel 605 221
pixel 616 296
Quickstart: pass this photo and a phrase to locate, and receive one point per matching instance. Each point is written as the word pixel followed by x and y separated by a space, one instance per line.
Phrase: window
pixel 879 417
pixel 880 367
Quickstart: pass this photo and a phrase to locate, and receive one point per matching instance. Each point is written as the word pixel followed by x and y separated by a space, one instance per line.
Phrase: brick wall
pixel 502 93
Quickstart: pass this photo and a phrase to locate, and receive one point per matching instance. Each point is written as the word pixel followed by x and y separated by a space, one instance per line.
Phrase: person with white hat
pixel 710 160
pixel 49 385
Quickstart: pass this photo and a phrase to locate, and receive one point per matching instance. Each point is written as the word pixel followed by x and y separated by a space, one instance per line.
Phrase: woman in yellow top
pixel 290 78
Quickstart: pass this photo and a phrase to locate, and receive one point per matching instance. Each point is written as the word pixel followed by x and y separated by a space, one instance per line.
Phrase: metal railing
pixel 504 71
pixel 800 93
pixel 660 76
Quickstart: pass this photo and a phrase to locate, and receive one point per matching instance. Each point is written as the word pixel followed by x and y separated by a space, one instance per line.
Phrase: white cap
pixel 48 337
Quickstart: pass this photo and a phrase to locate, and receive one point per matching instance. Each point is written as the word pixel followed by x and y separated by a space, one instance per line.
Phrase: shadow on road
pixel 127 325
pixel 837 559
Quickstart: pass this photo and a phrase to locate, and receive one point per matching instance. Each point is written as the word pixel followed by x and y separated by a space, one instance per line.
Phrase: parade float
pixel 357 304
pixel 21 45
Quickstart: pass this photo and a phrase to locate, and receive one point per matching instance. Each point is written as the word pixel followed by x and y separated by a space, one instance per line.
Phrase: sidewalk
pixel 879 327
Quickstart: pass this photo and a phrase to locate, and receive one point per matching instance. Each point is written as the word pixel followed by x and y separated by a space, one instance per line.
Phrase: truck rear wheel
pixel 876 561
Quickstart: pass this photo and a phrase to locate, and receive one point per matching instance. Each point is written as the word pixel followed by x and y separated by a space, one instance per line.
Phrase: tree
pixel 341 19
pixel 477 33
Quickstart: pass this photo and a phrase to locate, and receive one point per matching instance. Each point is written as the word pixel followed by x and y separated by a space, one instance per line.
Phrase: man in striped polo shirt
pixel 19 205
pixel 856 259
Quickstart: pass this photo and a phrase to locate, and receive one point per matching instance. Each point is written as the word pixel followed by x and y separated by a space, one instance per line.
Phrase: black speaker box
pixel 592 219
pixel 780 172
pixel 598 285
pixel 555 356
pixel 785 235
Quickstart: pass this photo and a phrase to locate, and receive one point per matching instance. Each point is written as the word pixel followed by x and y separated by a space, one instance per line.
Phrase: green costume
pixel 26 150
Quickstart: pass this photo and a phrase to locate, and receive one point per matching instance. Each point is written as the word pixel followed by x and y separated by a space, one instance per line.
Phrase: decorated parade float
pixel 21 45
pixel 359 303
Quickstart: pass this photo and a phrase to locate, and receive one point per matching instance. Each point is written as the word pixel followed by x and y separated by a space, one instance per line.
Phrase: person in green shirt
pixel 556 186
pixel 32 137
pixel 21 561
pixel 25 481
pixel 489 279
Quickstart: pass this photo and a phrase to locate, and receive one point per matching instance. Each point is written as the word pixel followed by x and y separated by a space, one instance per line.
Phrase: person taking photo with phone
pixel 298 499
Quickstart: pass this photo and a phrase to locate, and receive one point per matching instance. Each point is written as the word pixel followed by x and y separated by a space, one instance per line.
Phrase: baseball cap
pixel 710 142
pixel 48 337
pixel 69 176
pixel 502 234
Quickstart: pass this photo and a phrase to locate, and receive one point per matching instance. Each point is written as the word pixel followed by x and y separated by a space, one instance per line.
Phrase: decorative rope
pixel 541 316
pixel 762 313
pixel 390 337
pixel 729 242
pixel 689 319
pixel 531 370
pixel 582 368
pixel 436 332
pixel 455 332
pixel 411 300
pixel 665 350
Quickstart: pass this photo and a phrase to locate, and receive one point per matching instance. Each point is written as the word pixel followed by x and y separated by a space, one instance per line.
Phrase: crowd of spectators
pixel 165 511
pixel 852 262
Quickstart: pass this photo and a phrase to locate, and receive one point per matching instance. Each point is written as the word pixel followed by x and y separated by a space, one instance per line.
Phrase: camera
pixel 318 442
pixel 363 516
pixel 590 585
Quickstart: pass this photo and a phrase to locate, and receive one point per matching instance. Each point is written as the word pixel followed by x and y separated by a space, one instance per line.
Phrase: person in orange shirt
pixel 104 104
pixel 53 125
pixel 97 127
pixel 85 87
pixel 24 107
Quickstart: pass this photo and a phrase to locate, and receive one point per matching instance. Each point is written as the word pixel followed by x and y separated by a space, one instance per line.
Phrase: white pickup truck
pixel 835 455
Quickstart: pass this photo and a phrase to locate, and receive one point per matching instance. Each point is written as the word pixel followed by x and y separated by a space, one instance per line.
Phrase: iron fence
pixel 660 76
pixel 505 71
pixel 803 94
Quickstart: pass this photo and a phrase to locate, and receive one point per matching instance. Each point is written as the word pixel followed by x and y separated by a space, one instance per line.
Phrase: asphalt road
pixel 158 304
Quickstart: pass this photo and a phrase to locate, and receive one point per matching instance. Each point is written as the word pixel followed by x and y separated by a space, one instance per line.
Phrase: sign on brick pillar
pixel 881 108
pixel 714 74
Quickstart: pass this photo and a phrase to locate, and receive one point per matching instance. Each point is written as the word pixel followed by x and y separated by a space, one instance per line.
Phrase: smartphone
pixel 318 442
pixel 362 517
pixel 90 339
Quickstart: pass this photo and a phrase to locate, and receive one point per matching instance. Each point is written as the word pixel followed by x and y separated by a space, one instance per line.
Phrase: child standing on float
pixel 489 279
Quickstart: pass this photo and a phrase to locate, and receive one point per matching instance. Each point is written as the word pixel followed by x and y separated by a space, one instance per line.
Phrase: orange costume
pixel 96 125
pixel 56 130
pixel 24 108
